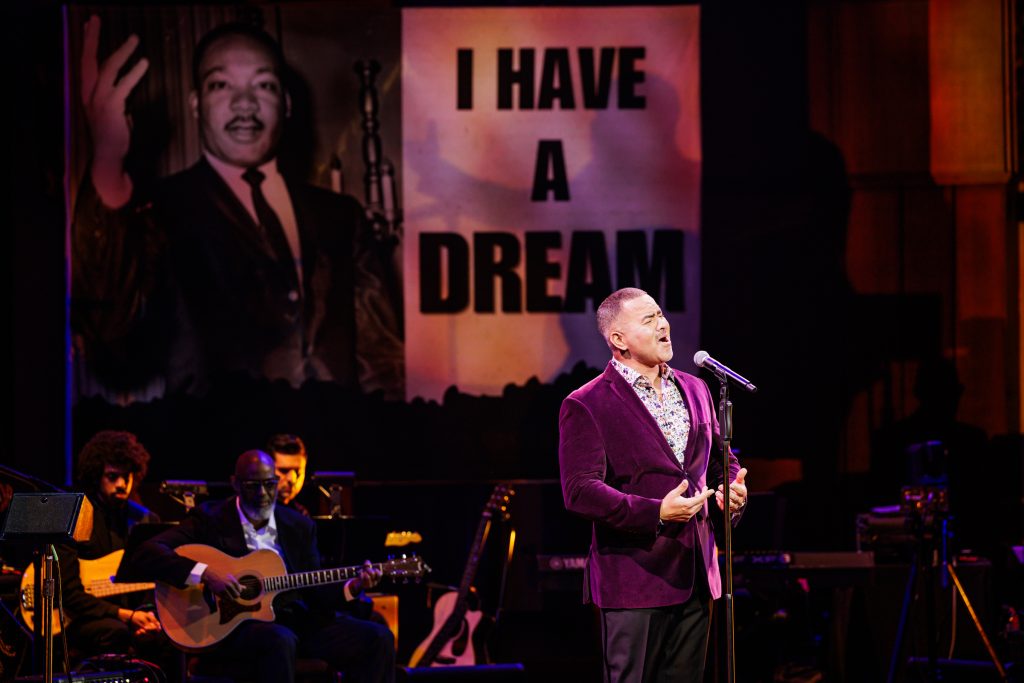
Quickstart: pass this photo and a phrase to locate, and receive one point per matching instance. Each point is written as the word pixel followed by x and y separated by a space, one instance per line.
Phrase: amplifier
pixel 561 563
pixel 803 561
pixel 560 573
pixel 767 559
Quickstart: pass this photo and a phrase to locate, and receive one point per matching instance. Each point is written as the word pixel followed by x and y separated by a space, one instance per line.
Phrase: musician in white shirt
pixel 322 622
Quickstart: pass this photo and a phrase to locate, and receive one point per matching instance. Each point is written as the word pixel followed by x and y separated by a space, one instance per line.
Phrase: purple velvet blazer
pixel 616 467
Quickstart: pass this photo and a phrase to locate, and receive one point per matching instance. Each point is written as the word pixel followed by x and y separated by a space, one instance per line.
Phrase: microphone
pixel 704 360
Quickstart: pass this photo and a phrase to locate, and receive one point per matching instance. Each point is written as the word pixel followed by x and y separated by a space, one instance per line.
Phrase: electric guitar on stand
pixel 451 641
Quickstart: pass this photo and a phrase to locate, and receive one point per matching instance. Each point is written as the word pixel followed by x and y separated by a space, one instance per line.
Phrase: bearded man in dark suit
pixel 634 452
pixel 326 622
pixel 229 266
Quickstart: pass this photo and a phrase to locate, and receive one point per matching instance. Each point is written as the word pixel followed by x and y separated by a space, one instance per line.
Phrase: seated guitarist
pixel 110 466
pixel 307 622
pixel 290 459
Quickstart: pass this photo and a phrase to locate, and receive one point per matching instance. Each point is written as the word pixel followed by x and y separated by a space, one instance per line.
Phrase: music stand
pixel 45 519
pixel 927 509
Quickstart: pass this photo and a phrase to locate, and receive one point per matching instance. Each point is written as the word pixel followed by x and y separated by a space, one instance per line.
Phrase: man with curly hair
pixel 110 466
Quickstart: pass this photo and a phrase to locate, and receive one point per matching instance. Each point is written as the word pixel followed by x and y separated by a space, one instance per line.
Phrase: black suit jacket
pixel 217 524
pixel 183 284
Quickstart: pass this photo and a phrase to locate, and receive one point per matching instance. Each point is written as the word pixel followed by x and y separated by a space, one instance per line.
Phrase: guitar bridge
pixel 229 609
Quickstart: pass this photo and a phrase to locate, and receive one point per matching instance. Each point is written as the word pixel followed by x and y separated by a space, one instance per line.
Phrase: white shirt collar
pixel 232 173
pixel 632 376
pixel 247 526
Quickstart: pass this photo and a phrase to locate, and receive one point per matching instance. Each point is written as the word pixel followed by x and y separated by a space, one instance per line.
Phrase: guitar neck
pixel 453 623
pixel 104 589
pixel 317 577
pixel 469 573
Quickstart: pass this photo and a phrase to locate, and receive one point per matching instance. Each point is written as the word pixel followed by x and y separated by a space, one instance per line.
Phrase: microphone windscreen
pixel 700 357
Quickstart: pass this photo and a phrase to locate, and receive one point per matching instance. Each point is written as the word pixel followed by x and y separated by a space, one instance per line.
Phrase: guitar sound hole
pixel 250 588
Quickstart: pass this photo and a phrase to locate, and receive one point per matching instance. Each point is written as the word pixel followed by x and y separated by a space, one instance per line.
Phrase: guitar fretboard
pixel 106 588
pixel 318 577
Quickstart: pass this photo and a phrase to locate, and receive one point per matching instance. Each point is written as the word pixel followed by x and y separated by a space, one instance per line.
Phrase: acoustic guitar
pixel 451 641
pixel 97 579
pixel 194 618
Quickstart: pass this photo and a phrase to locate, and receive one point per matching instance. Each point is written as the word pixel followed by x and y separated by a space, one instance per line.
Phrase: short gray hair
pixel 610 308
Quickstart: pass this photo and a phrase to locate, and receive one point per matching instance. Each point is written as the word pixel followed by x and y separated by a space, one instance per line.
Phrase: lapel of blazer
pixel 231 535
pixel 627 395
pixel 287 538
pixel 236 216
pixel 690 398
pixel 305 222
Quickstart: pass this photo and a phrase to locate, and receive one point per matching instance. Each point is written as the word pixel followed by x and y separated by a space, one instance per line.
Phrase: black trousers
pixel 92 637
pixel 99 636
pixel 658 644
pixel 265 651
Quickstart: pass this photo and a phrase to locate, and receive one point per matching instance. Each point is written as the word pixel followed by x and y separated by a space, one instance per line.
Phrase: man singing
pixel 634 451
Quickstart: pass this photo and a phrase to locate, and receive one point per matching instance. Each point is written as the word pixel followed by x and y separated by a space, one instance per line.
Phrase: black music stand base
pixel 931 662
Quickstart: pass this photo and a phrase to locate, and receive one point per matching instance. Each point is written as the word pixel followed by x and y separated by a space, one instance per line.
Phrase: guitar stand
pixel 451 638
pixel 926 557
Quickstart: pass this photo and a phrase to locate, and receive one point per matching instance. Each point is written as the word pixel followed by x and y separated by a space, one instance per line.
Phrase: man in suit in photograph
pixel 634 452
pixel 230 266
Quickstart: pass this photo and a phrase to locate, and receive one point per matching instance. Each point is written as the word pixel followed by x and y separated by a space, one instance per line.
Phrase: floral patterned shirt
pixel 670 412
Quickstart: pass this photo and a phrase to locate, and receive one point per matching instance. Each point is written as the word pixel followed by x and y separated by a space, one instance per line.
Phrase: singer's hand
pixel 675 507
pixel 737 492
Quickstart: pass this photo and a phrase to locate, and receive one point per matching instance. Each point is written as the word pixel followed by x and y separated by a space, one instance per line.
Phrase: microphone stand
pixel 47 588
pixel 724 374
pixel 725 432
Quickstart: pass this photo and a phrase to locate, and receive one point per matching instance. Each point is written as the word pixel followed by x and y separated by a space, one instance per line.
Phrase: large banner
pixel 551 155
pixel 188 271
pixel 299 217
pixel 443 196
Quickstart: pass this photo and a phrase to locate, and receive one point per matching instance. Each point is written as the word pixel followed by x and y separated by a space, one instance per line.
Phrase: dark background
pixel 841 248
